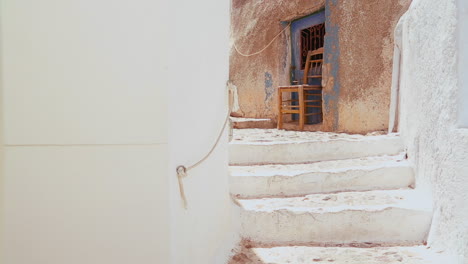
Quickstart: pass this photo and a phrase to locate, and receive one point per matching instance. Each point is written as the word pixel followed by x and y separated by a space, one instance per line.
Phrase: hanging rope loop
pixel 182 171
pixel 268 45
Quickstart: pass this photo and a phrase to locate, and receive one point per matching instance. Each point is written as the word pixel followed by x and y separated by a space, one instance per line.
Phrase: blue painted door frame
pixel 296 72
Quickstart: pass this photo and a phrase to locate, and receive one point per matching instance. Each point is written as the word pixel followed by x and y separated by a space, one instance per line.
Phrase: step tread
pixel 339 255
pixel 246 119
pixel 326 203
pixel 274 136
pixel 334 166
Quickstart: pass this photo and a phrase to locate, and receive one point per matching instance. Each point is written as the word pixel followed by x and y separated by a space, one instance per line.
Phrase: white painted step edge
pixel 304 152
pixel 323 177
pixel 291 220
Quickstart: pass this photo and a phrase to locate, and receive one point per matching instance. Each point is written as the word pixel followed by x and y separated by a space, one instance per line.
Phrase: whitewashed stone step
pixel 271 146
pixel 399 216
pixel 364 174
pixel 341 255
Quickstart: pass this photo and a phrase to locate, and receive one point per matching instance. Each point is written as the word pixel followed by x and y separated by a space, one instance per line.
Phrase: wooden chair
pixel 313 69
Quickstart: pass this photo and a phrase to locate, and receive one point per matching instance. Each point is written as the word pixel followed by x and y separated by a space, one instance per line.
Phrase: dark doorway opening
pixel 307 34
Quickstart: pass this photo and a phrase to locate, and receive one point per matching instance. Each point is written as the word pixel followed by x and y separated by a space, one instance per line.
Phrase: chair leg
pixel 301 108
pixel 280 108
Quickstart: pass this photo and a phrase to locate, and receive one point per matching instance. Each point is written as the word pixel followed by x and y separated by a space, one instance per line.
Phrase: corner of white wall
pixel 2 217
pixel 199 66
pixel 462 39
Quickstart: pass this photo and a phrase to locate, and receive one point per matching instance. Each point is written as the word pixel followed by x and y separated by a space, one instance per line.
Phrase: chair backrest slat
pixel 313 65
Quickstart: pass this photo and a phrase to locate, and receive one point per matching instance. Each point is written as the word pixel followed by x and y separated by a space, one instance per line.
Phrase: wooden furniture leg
pixel 301 107
pixel 280 109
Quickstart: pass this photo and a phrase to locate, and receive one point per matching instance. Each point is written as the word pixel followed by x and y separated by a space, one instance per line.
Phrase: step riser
pixel 391 225
pixel 385 178
pixel 294 153
pixel 254 124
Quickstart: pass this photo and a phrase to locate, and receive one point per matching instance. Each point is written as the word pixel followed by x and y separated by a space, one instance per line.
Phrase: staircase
pixel 314 197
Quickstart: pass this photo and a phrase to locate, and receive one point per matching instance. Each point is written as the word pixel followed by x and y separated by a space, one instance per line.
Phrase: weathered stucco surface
pixel 359 50
pixel 428 118
pixel 253 24
pixel 365 63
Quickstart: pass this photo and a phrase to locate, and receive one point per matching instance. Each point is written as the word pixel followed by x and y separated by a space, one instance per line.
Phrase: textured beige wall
pixel 366 55
pixel 429 114
pixel 254 24
pixel 360 101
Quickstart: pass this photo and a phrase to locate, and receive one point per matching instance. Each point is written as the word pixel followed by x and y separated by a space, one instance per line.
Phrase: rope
pixel 182 171
pixel 268 45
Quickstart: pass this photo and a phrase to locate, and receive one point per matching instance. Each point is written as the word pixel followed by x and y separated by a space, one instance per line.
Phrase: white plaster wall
pixel 429 117
pixel 82 71
pixel 85 132
pixel 2 149
pixel 462 7
pixel 198 108
pixel 89 167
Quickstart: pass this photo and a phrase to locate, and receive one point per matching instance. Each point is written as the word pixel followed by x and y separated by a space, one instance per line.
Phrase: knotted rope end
pixel 182 173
